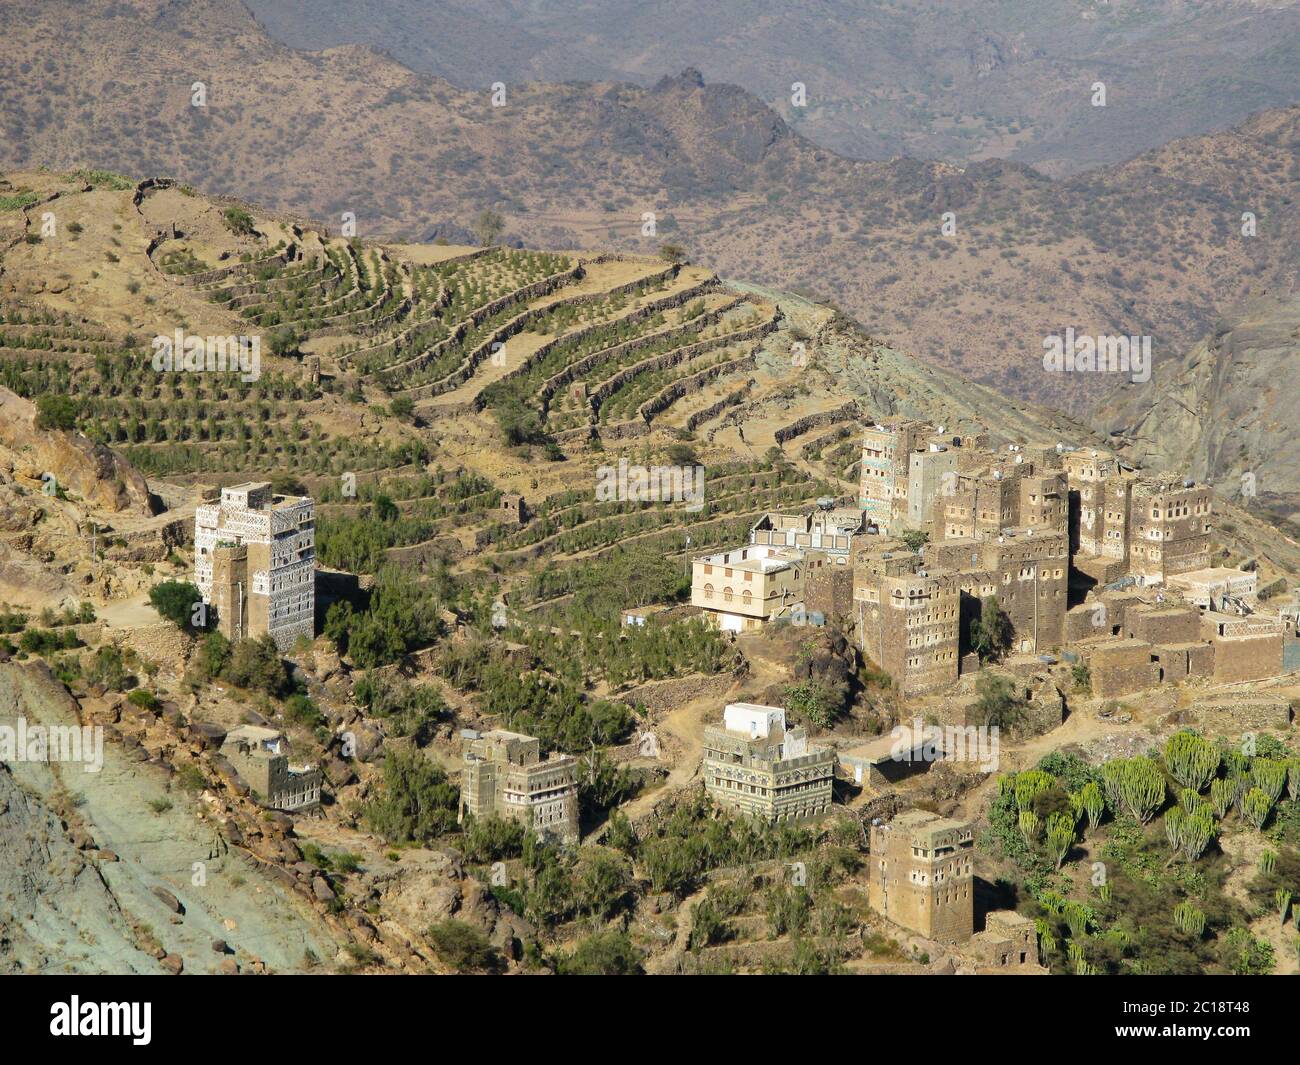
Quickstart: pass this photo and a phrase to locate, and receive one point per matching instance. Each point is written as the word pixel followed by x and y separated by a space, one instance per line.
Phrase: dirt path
pixel 130 613
pixel 686 725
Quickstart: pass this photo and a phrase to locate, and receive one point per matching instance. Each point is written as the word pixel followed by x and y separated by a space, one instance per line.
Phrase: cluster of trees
pixel 1158 904
pixel 626 577
pixel 553 709
pixel 416 801
pixel 599 647
pixel 253 664
pixel 695 839
pixel 400 617
pixel 47 641
pixel 408 709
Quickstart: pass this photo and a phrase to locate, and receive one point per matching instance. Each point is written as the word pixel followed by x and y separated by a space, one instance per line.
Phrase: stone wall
pixel 817 421
pixel 1244 715
pixel 161 642
pixel 661 695
pixel 1247 658
pixel 712 411
pixel 1123 668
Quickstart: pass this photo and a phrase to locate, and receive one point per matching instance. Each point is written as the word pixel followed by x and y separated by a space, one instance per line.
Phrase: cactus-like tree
pixel 1267 862
pixel 1222 795
pixel 1094 802
pixel 1192 760
pixel 1189 919
pixel 1269 775
pixel 1029 823
pixel 1175 819
pixel 1198 830
pixel 1135 785
pixel 1282 900
pixel 1031 784
pixel 1060 836
pixel 1255 807
pixel 1046 937
pixel 1078 917
pixel 1190 800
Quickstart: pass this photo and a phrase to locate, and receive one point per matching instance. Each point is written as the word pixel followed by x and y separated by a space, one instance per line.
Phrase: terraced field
pixel 411 388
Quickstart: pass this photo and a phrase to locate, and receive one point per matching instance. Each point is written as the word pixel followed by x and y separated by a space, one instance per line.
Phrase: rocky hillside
pixel 1149 247
pixel 935 79
pixel 1226 411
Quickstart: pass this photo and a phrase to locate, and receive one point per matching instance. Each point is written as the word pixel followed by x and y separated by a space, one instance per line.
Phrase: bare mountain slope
pixel 1227 412
pixel 1150 247
pixel 938 79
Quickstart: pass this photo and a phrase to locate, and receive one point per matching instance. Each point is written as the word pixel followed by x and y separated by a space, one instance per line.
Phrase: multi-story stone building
pixel 908 624
pixel 505 776
pixel 981 504
pixel 745 587
pixel 255 563
pixel 754 764
pixel 886 469
pixel 931 474
pixel 1170 529
pixel 920 875
pixel 1027 570
pixel 261 757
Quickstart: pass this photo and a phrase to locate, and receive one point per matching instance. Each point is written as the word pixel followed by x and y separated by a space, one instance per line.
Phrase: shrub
pixel 603 954
pixel 144 699
pixel 175 600
pixel 56 412
pixel 463 947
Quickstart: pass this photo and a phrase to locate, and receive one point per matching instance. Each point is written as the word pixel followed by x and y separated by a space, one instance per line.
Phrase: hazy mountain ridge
pixel 939 79
pixel 1149 247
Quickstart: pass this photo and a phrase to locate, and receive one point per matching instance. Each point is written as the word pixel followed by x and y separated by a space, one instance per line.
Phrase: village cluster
pixel 1086 562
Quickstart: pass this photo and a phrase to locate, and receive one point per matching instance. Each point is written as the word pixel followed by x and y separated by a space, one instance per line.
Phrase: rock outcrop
pixel 91 471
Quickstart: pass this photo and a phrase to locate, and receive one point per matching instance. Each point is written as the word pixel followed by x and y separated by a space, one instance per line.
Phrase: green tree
pixel 213 654
pixel 488 226
pixel 672 253
pixel 990 633
pixel 175 600
pixel 603 954
pixel 56 412
pixel 416 802
pixel 915 539
pixel 603 881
